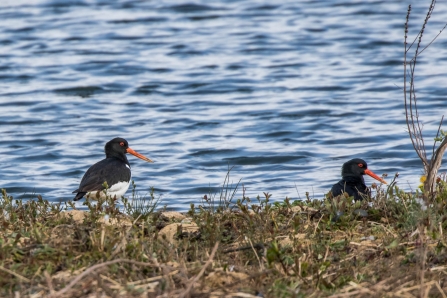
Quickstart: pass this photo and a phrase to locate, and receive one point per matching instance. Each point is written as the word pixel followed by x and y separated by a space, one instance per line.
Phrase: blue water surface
pixel 282 92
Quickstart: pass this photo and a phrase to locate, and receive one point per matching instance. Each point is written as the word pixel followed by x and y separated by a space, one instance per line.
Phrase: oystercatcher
pixel 352 173
pixel 114 170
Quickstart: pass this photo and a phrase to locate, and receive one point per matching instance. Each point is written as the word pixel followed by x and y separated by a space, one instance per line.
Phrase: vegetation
pixel 309 248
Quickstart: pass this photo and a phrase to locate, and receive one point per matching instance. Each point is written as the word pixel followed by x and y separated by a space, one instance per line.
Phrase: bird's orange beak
pixel 135 153
pixel 370 173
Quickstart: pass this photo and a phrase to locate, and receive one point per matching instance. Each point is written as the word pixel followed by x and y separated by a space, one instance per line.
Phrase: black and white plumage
pixel 114 170
pixel 352 181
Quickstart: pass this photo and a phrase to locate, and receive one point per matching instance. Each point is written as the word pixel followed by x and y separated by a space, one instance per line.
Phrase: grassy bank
pixel 252 248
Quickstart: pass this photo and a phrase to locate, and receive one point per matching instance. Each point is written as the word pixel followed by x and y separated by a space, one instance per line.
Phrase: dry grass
pixel 253 249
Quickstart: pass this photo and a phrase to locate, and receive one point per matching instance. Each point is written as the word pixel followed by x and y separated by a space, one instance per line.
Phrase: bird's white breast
pixel 117 189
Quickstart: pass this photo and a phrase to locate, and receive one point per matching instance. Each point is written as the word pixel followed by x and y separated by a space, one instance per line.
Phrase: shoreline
pixel 254 248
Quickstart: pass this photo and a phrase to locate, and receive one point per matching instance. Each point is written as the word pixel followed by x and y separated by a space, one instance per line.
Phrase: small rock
pixel 77 215
pixel 304 209
pixel 122 221
pixel 285 240
pixel 170 231
pixel 223 278
pixel 172 215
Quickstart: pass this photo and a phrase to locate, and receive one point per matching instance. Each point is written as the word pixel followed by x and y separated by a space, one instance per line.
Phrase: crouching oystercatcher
pixel 352 180
pixel 114 170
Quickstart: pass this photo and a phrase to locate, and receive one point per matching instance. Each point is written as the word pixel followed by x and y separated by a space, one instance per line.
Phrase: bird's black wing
pixel 338 188
pixel 114 169
pixel 355 189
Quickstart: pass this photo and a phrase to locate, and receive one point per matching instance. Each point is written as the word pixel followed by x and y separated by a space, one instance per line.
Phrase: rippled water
pixel 284 92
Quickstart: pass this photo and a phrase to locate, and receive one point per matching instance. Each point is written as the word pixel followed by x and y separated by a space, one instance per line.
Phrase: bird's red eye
pixel 360 165
pixel 122 144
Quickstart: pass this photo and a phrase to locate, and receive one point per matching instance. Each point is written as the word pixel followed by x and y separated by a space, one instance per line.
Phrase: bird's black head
pixel 357 167
pixel 116 147
pixel 354 168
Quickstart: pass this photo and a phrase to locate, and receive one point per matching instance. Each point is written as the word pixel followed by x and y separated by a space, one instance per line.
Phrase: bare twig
pixel 49 282
pixel 196 278
pixel 440 31
pixel 440 290
pixel 261 266
pixel 15 274
pixel 92 269
pixel 437 134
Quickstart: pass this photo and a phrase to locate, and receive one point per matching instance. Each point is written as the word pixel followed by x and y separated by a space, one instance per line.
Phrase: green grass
pixel 280 249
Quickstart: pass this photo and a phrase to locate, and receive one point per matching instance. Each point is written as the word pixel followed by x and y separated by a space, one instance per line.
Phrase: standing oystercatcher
pixel 114 170
pixel 352 182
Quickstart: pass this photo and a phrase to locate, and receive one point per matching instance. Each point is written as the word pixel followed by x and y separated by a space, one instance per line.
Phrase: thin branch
pixel 397 88
pixel 406 31
pixel 414 41
pixel 49 282
pixel 437 134
pixel 15 274
pixel 419 129
pixel 198 276
pixel 421 33
pixel 409 116
pixel 412 87
pixel 92 269
pixel 440 31
pixel 435 164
